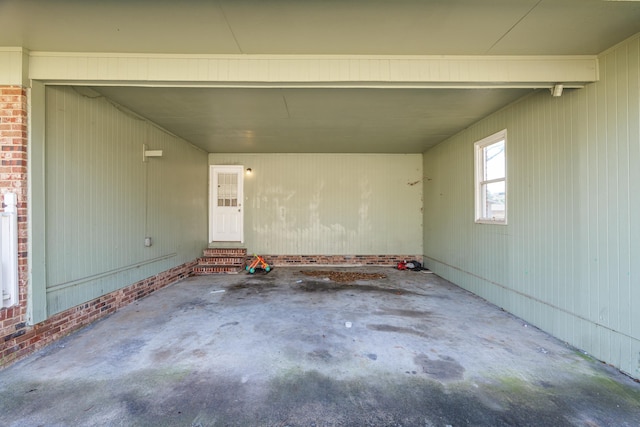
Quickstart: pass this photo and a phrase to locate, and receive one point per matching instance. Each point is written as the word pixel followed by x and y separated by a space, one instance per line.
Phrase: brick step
pixel 202 270
pixel 221 260
pixel 225 252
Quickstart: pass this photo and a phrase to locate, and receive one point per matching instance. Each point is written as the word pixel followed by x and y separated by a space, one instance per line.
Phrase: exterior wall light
pixel 556 90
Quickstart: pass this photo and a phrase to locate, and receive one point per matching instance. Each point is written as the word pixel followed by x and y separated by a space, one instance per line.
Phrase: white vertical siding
pixel 568 261
pixel 102 200
pixel 331 204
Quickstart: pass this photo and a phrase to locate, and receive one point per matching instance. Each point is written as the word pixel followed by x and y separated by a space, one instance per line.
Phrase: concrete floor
pixel 276 350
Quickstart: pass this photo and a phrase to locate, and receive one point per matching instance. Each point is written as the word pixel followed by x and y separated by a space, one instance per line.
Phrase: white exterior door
pixel 226 215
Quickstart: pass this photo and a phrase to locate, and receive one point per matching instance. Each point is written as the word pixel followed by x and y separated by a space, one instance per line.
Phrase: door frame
pixel 239 169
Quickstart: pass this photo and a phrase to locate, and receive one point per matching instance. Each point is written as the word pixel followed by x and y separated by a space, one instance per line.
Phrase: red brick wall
pixel 17 339
pixel 13 177
pixel 346 260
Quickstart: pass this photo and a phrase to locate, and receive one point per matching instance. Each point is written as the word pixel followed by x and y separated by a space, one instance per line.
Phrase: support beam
pixel 314 71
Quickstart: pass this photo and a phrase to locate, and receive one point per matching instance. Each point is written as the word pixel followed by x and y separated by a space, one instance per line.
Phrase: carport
pixel 362 124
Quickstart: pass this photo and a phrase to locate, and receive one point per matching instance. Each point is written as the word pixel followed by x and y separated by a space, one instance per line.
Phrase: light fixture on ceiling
pixel 557 89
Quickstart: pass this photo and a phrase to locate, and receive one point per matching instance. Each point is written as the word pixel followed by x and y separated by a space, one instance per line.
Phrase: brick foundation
pixel 337 260
pixel 18 340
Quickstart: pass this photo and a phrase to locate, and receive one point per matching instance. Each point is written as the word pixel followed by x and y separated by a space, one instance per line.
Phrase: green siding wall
pixel 331 204
pixel 102 200
pixel 569 259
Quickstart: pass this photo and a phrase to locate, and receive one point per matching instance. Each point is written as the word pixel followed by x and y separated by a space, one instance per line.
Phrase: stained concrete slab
pixel 287 349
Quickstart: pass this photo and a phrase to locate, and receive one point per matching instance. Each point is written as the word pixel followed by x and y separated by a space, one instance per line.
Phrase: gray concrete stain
pixel 327 286
pixel 397 329
pixel 304 398
pixel 283 356
pixel 320 354
pixel 229 324
pixel 403 313
pixel 444 369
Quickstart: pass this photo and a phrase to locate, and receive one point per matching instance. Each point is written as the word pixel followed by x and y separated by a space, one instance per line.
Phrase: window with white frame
pixel 491 179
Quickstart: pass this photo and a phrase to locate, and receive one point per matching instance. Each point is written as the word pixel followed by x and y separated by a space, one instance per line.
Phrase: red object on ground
pixel 258 262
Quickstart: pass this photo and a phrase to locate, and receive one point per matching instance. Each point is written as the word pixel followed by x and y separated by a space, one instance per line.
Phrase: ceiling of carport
pixel 320 119
pixel 312 120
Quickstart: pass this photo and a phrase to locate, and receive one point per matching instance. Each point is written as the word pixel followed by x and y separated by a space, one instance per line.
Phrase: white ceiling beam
pixel 311 71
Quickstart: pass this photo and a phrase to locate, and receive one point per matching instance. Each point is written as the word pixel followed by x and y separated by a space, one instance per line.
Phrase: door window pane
pixel 227 189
